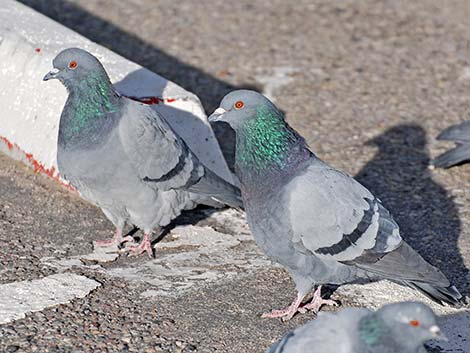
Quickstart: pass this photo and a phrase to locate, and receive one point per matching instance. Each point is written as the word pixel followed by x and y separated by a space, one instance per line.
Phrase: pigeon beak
pixel 436 333
pixel 51 74
pixel 217 115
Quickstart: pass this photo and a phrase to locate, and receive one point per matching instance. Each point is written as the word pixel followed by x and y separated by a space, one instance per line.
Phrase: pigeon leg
pixel 117 239
pixel 317 302
pixel 287 313
pixel 144 246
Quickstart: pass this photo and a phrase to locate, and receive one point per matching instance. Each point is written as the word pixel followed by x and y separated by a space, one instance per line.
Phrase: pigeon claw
pixel 144 246
pixel 117 239
pixel 287 313
pixel 316 303
pixel 314 306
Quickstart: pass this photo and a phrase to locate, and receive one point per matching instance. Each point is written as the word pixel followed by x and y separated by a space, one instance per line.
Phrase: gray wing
pixel 160 156
pixel 329 332
pixel 455 156
pixel 335 217
pixel 458 133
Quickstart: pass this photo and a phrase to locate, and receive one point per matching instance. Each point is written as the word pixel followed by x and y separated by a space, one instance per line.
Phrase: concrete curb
pixel 31 108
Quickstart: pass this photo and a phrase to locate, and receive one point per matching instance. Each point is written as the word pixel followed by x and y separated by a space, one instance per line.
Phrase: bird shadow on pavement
pixel 398 174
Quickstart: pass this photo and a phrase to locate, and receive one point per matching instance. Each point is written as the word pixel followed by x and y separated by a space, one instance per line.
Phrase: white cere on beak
pixel 216 115
pixel 219 111
pixel 435 330
pixel 51 74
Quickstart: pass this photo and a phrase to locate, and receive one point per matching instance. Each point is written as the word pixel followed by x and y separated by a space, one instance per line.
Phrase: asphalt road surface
pixel 369 84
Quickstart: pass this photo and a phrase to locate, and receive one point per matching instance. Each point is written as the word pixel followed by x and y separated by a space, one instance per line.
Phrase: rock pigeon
pixel 460 134
pixel 123 156
pixel 402 327
pixel 318 222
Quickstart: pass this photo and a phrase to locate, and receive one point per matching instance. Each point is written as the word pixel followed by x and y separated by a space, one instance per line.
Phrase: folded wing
pixel 161 157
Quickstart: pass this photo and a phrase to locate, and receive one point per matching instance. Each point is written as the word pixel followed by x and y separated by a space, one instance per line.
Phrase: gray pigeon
pixel 460 134
pixel 318 222
pixel 402 327
pixel 123 156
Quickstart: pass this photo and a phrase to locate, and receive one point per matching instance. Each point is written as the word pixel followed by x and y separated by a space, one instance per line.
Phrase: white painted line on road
pixel 19 298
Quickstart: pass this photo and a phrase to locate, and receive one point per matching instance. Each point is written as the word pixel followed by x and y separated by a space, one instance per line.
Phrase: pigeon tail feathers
pixel 455 156
pixel 441 295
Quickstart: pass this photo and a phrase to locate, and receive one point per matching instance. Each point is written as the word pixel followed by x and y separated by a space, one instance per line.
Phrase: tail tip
pixel 442 295
pixel 456 299
pixel 445 161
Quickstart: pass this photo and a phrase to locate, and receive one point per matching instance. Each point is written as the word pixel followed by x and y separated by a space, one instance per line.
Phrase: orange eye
pixel 239 105
pixel 73 65
pixel 414 323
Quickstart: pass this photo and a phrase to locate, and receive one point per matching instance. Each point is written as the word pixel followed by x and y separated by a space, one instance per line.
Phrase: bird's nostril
pixel 435 330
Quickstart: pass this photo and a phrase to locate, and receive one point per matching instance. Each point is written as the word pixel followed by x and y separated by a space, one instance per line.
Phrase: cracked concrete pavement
pixel 369 84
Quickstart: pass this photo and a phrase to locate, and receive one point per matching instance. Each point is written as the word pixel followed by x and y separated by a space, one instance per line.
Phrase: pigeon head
pixel 74 66
pixel 410 324
pixel 91 94
pixel 241 106
pixel 265 143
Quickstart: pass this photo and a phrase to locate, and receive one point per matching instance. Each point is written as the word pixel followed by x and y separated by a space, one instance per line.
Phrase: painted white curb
pixel 30 108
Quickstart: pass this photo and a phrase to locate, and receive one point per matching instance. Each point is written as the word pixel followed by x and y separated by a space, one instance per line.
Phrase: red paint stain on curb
pixel 37 166
pixel 152 100
pixel 8 143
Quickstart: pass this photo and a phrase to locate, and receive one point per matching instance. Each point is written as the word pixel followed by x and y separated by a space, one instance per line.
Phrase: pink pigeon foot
pixel 144 246
pixel 287 313
pixel 117 239
pixel 317 302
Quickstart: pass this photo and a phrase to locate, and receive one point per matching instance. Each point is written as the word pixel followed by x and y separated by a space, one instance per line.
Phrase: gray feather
pixel 457 133
pixel 359 330
pixel 355 233
pixel 460 134
pixel 161 157
pixel 455 156
pixel 348 220
pixel 123 156
pixel 318 222
pixel 329 332
pixel 158 154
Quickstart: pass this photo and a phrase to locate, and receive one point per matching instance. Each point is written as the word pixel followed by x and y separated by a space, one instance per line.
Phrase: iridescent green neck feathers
pixel 90 99
pixel 267 142
pixel 372 330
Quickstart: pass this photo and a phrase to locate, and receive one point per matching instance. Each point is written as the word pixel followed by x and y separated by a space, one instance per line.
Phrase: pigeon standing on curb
pixel 123 156
pixel 460 134
pixel 402 327
pixel 318 222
